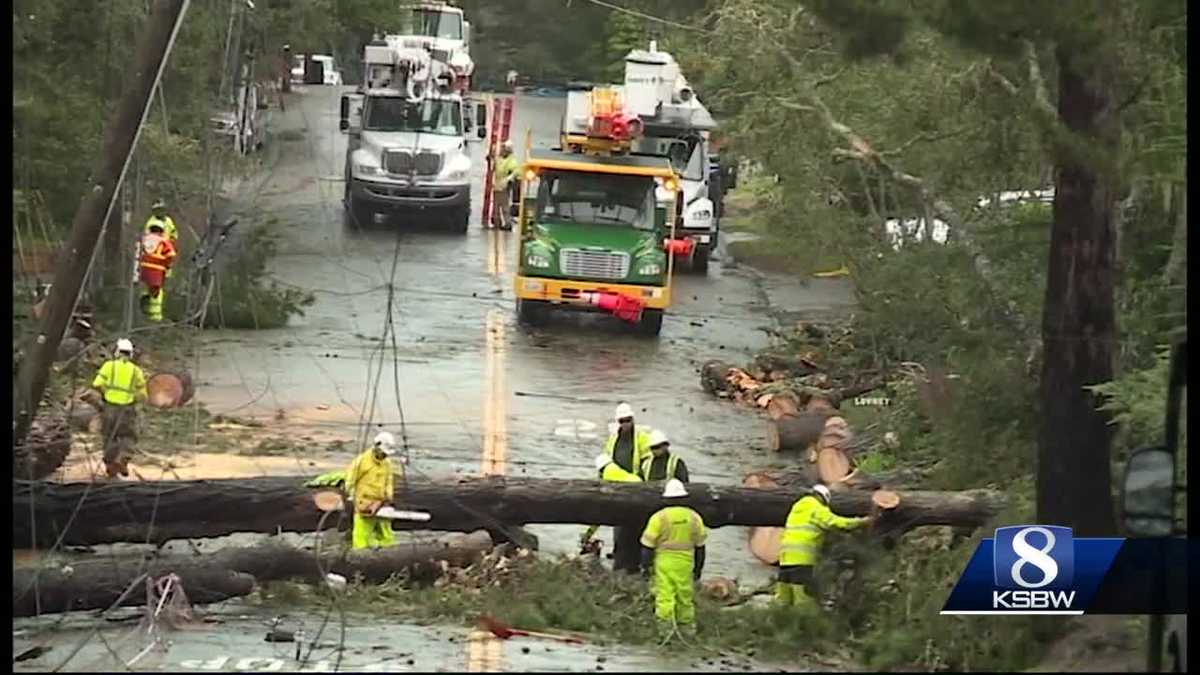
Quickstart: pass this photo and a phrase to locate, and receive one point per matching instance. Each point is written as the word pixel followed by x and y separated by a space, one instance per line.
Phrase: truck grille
pixel 594 264
pixel 405 163
pixel 428 163
pixel 398 162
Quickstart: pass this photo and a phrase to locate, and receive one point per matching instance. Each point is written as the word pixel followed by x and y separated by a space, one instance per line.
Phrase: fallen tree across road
pixel 229 572
pixel 158 511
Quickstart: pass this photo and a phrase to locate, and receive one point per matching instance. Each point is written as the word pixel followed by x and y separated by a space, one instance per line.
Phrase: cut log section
pixel 328 500
pixel 104 512
pixel 832 465
pixel 763 542
pixel 796 432
pixel 714 377
pixel 230 572
pixel 169 390
pixel 783 404
pixel 886 500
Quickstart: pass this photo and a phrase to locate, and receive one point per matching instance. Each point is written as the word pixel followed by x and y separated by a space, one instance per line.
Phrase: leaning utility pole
pixel 120 138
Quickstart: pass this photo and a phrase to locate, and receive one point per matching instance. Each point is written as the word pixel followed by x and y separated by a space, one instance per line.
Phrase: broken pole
pixel 120 138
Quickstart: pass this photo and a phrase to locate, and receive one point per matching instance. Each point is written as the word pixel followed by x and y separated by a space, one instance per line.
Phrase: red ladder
pixel 501 117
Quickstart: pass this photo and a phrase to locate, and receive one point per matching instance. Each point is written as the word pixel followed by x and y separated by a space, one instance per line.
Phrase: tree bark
pixel 1074 482
pixel 230 572
pixel 124 511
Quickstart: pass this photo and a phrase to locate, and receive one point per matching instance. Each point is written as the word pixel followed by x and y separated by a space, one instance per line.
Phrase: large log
pixel 795 432
pixel 159 511
pixel 229 572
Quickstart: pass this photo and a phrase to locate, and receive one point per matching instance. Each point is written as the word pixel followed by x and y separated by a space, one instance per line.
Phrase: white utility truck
pixel 409 121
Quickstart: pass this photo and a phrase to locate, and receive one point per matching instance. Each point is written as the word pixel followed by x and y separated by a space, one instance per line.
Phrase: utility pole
pixel 120 138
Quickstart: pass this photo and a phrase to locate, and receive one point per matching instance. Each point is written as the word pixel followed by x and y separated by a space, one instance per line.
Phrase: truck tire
pixel 460 219
pixel 700 261
pixel 532 312
pixel 361 214
pixel 651 323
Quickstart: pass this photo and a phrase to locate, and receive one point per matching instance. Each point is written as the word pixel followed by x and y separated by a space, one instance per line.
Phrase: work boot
pixel 665 630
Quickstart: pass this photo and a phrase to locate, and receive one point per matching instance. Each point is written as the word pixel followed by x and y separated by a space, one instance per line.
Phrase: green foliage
pixel 1137 402
pixel 243 298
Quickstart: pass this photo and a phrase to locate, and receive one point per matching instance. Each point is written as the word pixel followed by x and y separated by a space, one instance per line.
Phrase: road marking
pixel 495 414
pixel 485 653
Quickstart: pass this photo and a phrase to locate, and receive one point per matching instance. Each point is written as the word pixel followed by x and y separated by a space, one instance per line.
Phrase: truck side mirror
pixel 344 125
pixel 1148 493
pixel 481 132
pixel 731 176
pixel 481 118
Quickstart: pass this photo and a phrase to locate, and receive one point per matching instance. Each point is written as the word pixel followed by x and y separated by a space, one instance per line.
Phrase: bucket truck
pixel 595 221
pixel 409 121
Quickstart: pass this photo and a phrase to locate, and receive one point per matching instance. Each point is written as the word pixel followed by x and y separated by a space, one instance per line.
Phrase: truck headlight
pixel 368 169
pixel 650 269
pixel 537 260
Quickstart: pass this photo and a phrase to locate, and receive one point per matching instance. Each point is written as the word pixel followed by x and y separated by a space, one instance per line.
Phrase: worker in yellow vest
pixel 502 177
pixel 662 464
pixel 674 539
pixel 800 546
pixel 611 472
pixel 122 384
pixel 371 485
pixel 627 448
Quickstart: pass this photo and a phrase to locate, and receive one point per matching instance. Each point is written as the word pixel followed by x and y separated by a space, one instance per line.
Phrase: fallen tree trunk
pixel 229 572
pixel 158 511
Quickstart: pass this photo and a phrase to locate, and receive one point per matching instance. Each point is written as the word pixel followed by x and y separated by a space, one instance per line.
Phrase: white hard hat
pixel 124 345
pixel 657 438
pixel 623 410
pixel 159 204
pixel 384 440
pixel 674 488
pixel 822 492
pixel 601 462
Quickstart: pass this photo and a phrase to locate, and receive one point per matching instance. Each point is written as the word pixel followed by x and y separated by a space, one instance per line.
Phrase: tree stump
pixel 795 432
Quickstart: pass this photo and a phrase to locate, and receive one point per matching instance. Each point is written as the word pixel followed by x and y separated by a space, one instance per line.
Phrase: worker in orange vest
pixel 157 253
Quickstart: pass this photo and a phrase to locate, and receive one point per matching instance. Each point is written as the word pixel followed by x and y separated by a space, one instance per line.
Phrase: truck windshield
pixel 596 199
pixel 398 114
pixel 432 23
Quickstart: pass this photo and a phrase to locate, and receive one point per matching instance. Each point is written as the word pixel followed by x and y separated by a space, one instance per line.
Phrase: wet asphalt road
pixel 479 392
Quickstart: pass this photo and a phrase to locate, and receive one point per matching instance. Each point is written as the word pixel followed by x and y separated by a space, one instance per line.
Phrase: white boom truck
pixel 677 125
pixel 409 121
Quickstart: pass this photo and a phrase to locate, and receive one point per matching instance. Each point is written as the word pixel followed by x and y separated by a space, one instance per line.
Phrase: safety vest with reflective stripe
pixel 676 531
pixel 168 226
pixel 157 252
pixel 648 464
pixel 805 530
pixel 122 382
pixel 641 447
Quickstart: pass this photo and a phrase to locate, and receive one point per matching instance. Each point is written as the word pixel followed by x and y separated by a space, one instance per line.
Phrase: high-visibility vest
pixel 641 447
pixel 121 380
pixel 675 531
pixel 616 474
pixel 157 252
pixel 167 224
pixel 648 463
pixel 506 170
pixel 804 532
pixel 370 479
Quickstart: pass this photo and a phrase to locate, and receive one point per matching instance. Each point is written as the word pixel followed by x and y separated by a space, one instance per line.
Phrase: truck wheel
pixel 531 312
pixel 460 219
pixel 651 323
pixel 361 213
pixel 700 261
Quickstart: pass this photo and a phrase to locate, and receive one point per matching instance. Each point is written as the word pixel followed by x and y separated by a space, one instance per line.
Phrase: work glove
pixel 698 564
pixel 647 560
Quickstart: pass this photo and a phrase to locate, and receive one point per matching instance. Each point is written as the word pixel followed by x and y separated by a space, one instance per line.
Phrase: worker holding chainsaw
pixel 611 472
pixel 627 448
pixel 662 464
pixel 504 174
pixel 156 255
pixel 800 546
pixel 121 383
pixel 371 485
pixel 674 539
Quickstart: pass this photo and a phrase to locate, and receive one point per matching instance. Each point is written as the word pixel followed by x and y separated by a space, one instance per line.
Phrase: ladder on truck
pixel 500 112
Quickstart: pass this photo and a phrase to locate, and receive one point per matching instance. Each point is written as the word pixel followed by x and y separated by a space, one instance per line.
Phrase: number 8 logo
pixel 1028 555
